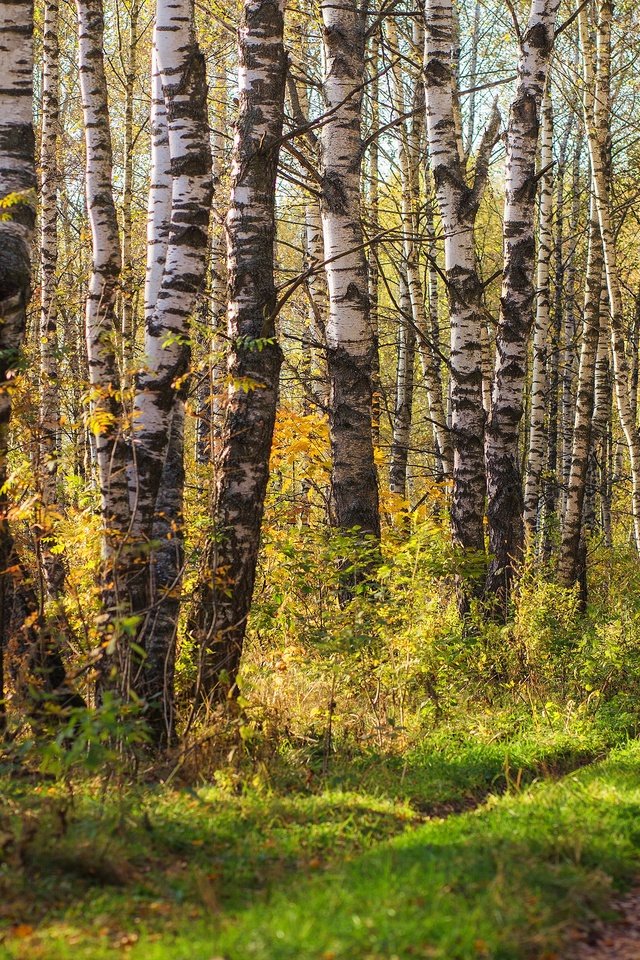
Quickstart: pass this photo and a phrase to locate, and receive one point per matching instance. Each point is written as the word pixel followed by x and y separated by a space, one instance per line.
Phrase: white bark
pixel 254 356
pixel 101 323
pixel 458 202
pixel 569 362
pixel 176 270
pixel 403 407
pixel 49 385
pixel 570 550
pixel 181 70
pixel 410 140
pixel 350 339
pixel 212 383
pixel 128 327
pixel 504 485
pixel 539 378
pixel 17 196
pixel 317 294
pixel 597 137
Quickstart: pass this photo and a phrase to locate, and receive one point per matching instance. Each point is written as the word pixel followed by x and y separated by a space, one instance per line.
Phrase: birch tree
pixel 101 323
pixel 597 127
pixel 166 352
pixel 458 202
pixel 255 358
pixel 539 381
pixel 504 485
pixel 176 271
pixel 570 549
pixel 129 64
pixel 49 385
pixel 411 137
pixel 211 383
pixel 403 406
pixel 17 222
pixel 349 335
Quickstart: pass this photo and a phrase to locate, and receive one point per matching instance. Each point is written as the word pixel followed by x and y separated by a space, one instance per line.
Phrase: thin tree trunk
pixel 411 136
pixel 158 437
pixel 49 440
pixel 350 338
pixel 373 201
pixel 597 139
pixel 504 485
pixel 128 326
pixel 403 407
pixel 570 551
pixel 569 363
pixel 212 380
pixel 458 202
pixel 554 427
pixel 255 358
pixel 101 325
pixel 17 196
pixel 539 378
pixel 317 295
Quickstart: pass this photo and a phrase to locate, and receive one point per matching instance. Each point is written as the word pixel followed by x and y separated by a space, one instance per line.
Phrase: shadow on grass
pixel 261 876
pixel 508 882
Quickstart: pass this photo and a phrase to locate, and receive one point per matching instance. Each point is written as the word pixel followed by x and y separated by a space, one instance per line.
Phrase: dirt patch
pixel 619 940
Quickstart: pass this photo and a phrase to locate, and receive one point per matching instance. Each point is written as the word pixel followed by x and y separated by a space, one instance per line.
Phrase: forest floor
pixel 508 850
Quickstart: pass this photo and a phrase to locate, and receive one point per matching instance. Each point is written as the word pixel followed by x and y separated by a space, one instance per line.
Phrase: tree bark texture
pixel 539 377
pixel 458 202
pixel 17 223
pixel 254 357
pixel 349 335
pixel 504 484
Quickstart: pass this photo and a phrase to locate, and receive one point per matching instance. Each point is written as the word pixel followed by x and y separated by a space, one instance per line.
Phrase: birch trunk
pixel 314 337
pixel 49 385
pixel 167 568
pixel 403 407
pixel 571 554
pixel 458 203
pixel 158 438
pixel 597 139
pixel 539 378
pixel 554 426
pixel 504 485
pixel 101 325
pixel 212 381
pixel 254 359
pixel 374 228
pixel 569 363
pixel 127 322
pixel 410 142
pixel 182 74
pixel 601 445
pixel 17 196
pixel 350 338
pixel 317 296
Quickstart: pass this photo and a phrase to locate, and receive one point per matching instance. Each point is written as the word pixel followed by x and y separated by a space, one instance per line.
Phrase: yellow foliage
pixel 100 422
pixel 301 437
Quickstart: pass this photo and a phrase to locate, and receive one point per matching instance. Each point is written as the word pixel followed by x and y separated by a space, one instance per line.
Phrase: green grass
pixel 349 869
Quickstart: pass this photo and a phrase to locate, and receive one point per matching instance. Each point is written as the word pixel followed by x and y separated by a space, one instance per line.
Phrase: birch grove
pixel 296 319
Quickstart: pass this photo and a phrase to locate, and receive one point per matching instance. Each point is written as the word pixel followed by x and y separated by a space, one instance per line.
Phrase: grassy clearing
pixel 346 867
